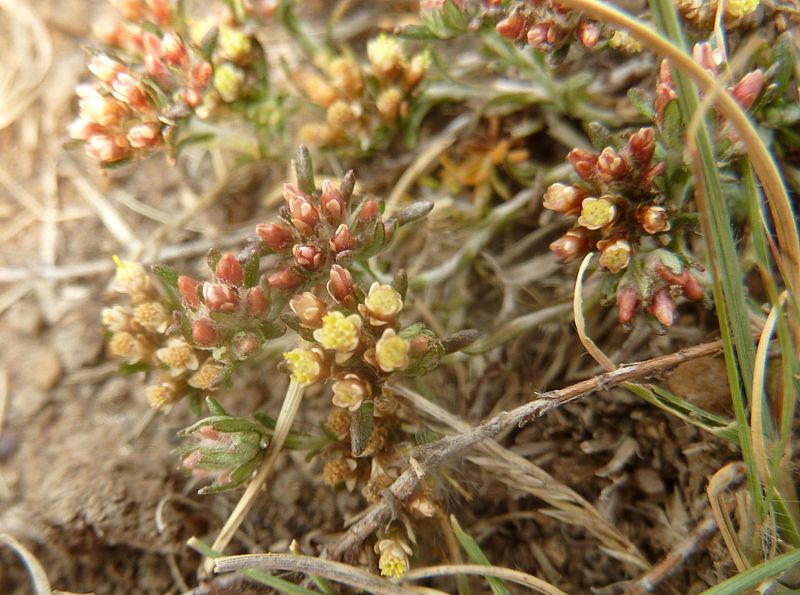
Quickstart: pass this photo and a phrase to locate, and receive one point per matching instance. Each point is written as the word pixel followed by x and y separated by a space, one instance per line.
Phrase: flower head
pixel 394 555
pixel 131 278
pixel 178 356
pixel 207 376
pixel 597 213
pixel 152 316
pixel 382 304
pixel 307 366
pixel 350 391
pixel 391 351
pixel 339 332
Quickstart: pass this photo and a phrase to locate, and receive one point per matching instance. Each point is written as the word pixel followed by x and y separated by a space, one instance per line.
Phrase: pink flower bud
pixel 662 307
pixel 571 245
pixel 304 214
pixel 187 287
pixel 256 302
pixel 664 95
pixel 749 88
pixel 340 286
pixel 105 68
pixel 228 270
pixel 111 33
pixel 105 111
pixel 611 165
pixel 627 302
pixel 147 135
pixel 161 11
pixel 277 237
pixel 285 279
pixel 648 178
pixel 692 289
pixel 106 148
pixel 342 239
pixel 220 297
pixel 511 26
pixel 200 75
pixel 173 50
pixel 152 43
pixel 563 199
pixel 204 332
pixel 539 35
pixel 332 202
pixel 588 34
pixel 641 146
pixel 309 309
pixel 132 10
pixel 707 57
pixel 308 256
pixel 246 345
pixel 128 89
pixel 155 66
pixel 81 129
pixel 369 211
pixel 584 163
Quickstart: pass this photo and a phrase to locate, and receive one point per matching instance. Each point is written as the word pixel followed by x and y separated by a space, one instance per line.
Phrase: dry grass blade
pixel 730 475
pixel 580 322
pixel 518 472
pixel 335 571
pixel 34 55
pixel 291 403
pixel 41 584
pixel 431 455
pixel 514 576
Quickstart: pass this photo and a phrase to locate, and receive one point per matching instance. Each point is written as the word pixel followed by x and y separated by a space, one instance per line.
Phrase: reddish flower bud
pixel 707 57
pixel 584 163
pixel 228 270
pixel 285 279
pixel 200 75
pixel 80 129
pixel 563 199
pixel 145 136
pixel 256 302
pixel 106 148
pixel 332 202
pixel 652 218
pixel 105 68
pixel 128 89
pixel 662 307
pixel 641 146
pixel 161 11
pixel 611 165
pixel 692 289
pixel 191 97
pixel 173 50
pixel 369 211
pixel 342 239
pixel 133 10
pixel 187 287
pixel 627 302
pixel 664 95
pixel 511 26
pixel 155 66
pixel 670 276
pixel 152 43
pixel 218 296
pixel 246 345
pixel 539 35
pixel 749 88
pixel 648 178
pixel 588 34
pixel 309 309
pixel 304 214
pixel 204 332
pixel 308 256
pixel 277 237
pixel 571 245
pixel 340 286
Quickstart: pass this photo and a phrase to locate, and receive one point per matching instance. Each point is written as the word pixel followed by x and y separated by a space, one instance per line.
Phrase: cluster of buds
pixel 146 82
pixel 364 106
pixel 550 27
pixel 622 213
pixel 145 335
pixel 321 229
pixel 701 14
pixel 222 448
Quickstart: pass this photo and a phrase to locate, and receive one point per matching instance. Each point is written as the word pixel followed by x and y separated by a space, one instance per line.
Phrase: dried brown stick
pixel 431 455
pixel 676 557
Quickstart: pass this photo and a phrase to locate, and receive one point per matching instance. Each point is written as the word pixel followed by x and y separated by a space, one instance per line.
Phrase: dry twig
pixel 432 455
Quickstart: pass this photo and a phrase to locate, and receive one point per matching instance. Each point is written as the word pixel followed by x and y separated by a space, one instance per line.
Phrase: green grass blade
pixel 473 550
pixel 741 583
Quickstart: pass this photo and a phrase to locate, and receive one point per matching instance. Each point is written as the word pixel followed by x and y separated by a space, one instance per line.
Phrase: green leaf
pixel 599 136
pixel 454 17
pixel 743 582
pixel 169 281
pixel 782 57
pixel 304 168
pixel 672 126
pixel 361 428
pixel 642 102
pixel 251 269
pixel 214 408
pixel 473 550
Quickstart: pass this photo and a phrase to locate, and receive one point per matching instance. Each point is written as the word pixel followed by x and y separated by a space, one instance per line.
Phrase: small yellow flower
pixel 129 347
pixel 152 316
pixel 116 319
pixel 131 278
pixel 233 44
pixel 385 55
pixel 615 254
pixel 393 560
pixel 161 395
pixel 623 41
pixel 382 304
pixel 228 81
pixel 391 351
pixel 596 213
pixel 740 8
pixel 350 391
pixel 339 333
pixel 178 356
pixel 306 366
pixel 206 377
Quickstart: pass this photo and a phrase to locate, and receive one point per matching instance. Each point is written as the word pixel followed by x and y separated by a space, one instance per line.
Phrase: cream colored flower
pixel 740 8
pixel 391 351
pixel 393 560
pixel 206 377
pixel 385 55
pixel 614 254
pixel 129 347
pixel 621 40
pixel 596 213
pixel 350 391
pixel 116 319
pixel 132 279
pixel 339 333
pixel 152 316
pixel 161 395
pixel 382 304
pixel 306 366
pixel 178 356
